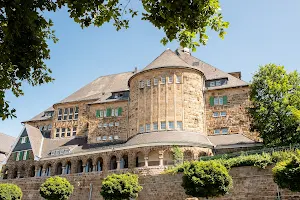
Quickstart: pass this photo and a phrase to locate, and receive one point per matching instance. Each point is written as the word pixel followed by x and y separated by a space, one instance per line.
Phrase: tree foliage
pixel 287 174
pixel 275 106
pixel 10 191
pixel 56 188
pixel 120 187
pixel 25 31
pixel 177 155
pixel 206 179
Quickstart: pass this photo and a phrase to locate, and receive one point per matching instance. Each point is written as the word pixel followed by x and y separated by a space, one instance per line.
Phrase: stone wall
pixel 173 101
pixel 249 183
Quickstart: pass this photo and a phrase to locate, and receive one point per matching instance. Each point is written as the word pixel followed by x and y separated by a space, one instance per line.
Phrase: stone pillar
pixel 63 170
pixel 19 173
pixel 94 168
pixel 36 172
pixel 118 165
pixel 84 169
pixel 161 158
pixel 146 161
pixel 43 172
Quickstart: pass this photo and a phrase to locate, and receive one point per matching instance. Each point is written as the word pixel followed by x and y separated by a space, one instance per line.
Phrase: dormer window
pixel 216 82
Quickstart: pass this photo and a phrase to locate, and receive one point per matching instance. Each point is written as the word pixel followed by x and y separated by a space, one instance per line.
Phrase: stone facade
pixel 249 183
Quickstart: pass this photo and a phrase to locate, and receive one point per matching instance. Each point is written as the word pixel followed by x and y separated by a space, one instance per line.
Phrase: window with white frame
pixel 142 84
pixel 59 115
pixel 49 127
pixel 223 114
pixel 100 125
pixel 113 112
pixel 217 131
pixel 57 132
pixel 212 84
pixel 147 127
pixel 71 110
pixel 98 139
pixel 171 125
pixel 76 113
pixel 23 140
pixel 18 156
pixel 215 114
pixel 25 155
pixel 155 126
pixel 224 130
pixel 66 113
pixel 117 123
pixel 110 137
pixel 111 124
pixel 148 83
pixel 68 132
pixel 163 125
pixel 104 138
pixel 170 79
pixel 105 125
pixel 178 79
pixel 116 112
pixel 63 132
pixel 116 137
pixel 218 83
pixel 179 125
pixel 141 128
pixel 74 131
pixel 155 81
pixel 101 113
pixel 163 80
pixel 218 101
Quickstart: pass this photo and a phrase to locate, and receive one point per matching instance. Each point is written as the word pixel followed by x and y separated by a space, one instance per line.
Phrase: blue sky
pixel 260 32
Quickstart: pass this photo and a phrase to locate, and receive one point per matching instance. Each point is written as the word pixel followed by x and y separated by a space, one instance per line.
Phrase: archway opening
pixel 32 171
pixel 48 170
pixel 22 172
pixel 89 166
pixel 40 171
pixel 113 163
pixel 68 167
pixel 187 156
pixel 168 158
pixel 124 162
pixel 59 169
pixel 139 160
pixel 79 166
pixel 99 166
pixel 153 158
pixel 15 173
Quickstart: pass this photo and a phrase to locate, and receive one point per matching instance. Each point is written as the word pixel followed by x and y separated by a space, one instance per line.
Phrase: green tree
pixel 275 106
pixel 10 192
pixel 120 187
pixel 177 155
pixel 287 174
pixel 56 188
pixel 206 179
pixel 25 31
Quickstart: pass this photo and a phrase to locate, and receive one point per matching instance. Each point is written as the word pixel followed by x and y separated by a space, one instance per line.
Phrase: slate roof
pixel 41 116
pixel 7 142
pixel 36 139
pixel 231 141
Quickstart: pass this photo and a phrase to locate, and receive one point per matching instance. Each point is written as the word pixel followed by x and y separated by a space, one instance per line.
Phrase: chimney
pixel 236 74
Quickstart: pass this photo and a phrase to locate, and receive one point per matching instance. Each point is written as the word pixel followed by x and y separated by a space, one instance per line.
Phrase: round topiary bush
pixel 287 174
pixel 10 191
pixel 120 187
pixel 206 179
pixel 56 188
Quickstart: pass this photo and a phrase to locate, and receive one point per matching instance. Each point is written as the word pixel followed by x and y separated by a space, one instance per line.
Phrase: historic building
pixel 134 119
pixel 5 147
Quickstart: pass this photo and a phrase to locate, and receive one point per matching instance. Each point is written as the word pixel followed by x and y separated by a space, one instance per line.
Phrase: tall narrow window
pixel 25 155
pixel 147 127
pixel 171 125
pixel 178 79
pixel 57 132
pixel 155 81
pixel 179 125
pixel 155 126
pixel 68 132
pixel 163 80
pixel 18 156
pixel 148 83
pixel 170 79
pixel 71 110
pixel 101 113
pixel 74 131
pixel 66 114
pixel 162 125
pixel 63 132
pixel 59 115
pixel 141 129
pixel 113 112
pixel 217 131
pixel 76 113
pixel 142 84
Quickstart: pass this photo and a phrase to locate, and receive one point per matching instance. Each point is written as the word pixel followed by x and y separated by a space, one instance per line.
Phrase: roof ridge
pixel 7 135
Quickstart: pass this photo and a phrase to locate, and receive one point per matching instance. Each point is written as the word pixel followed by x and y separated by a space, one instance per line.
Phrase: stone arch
pixel 15 173
pixel 5 173
pixel 22 172
pixel 168 157
pixel 188 155
pixel 124 161
pixel 79 166
pixel 31 171
pixel 89 165
pixel 99 164
pixel 40 171
pixel 139 159
pixel 59 169
pixel 113 163
pixel 48 168
pixel 153 158
pixel 68 167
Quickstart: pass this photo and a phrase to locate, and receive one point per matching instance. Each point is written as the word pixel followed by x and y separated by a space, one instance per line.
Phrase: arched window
pixel 32 171
pixel 139 160
pixel 59 169
pixel 68 168
pixel 15 173
pixel 40 171
pixel 48 170
pixel 89 166
pixel 79 166
pixel 99 167
pixel 124 162
pixel 113 163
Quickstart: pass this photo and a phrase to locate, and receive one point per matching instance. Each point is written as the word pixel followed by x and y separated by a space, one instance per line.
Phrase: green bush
pixel 10 192
pixel 120 187
pixel 206 179
pixel 56 188
pixel 287 174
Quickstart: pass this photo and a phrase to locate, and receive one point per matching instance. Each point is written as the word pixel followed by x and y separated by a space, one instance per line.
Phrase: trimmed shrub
pixel 206 179
pixel 120 187
pixel 10 192
pixel 287 174
pixel 56 188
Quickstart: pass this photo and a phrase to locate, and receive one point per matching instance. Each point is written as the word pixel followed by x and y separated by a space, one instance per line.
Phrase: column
pixel 161 158
pixel 84 169
pixel 118 165
pixel 63 170
pixel 18 176
pixel 36 172
pixel 43 172
pixel 94 168
pixel 146 161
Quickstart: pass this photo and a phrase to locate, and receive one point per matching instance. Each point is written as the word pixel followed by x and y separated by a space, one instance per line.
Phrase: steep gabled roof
pixel 41 116
pixel 7 142
pixel 212 73
pixel 36 139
